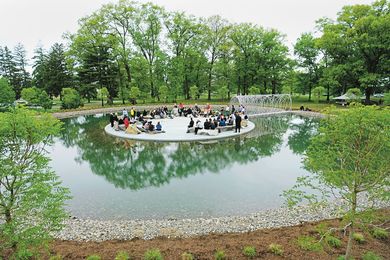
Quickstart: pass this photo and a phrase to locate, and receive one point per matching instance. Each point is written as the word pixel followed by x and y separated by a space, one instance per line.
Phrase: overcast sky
pixel 33 22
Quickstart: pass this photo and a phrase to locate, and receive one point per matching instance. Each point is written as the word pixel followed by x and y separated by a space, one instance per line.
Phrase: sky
pixel 43 22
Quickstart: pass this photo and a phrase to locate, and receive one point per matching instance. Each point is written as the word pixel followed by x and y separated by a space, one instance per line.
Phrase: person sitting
pixel 301 108
pixel 112 119
pixel 126 122
pixel 158 126
pixel 222 122
pixel 144 113
pixel 188 112
pixel 212 125
pixel 151 126
pixel 125 113
pixel 198 126
pixel 207 125
pixel 191 124
pixel 230 122
pixel 146 125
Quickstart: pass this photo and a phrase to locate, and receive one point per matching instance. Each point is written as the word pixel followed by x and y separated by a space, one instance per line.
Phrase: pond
pixel 111 178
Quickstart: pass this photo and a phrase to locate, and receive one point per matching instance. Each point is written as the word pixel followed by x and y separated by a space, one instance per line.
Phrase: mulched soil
pixel 204 247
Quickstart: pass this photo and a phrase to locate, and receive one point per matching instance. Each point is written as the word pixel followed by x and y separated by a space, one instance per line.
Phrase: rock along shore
pixel 101 230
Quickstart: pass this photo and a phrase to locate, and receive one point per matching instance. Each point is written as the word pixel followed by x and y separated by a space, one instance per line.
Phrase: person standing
pixel 238 123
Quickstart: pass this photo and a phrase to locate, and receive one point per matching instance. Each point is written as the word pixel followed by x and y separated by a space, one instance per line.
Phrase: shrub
pixel 333 241
pixel 56 257
pixel 371 256
pixel 358 237
pixel 187 256
pixel 153 254
pixel 94 257
pixel 7 94
pixel 380 233
pixel 122 255
pixel 220 255
pixel 309 244
pixel 276 249
pixel 249 251
pixel 321 229
pixel 70 98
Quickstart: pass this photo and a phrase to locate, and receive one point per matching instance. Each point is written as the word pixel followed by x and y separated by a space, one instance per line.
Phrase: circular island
pixel 175 130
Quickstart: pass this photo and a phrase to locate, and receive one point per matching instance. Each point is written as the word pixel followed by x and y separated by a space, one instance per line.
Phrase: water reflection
pixel 137 165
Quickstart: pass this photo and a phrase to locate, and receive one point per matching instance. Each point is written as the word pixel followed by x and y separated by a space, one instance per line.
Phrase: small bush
pixel 220 255
pixel 380 233
pixel 94 257
pixel 276 249
pixel 309 244
pixel 187 256
pixel 56 257
pixel 358 237
pixel 153 254
pixel 371 256
pixel 333 241
pixel 249 251
pixel 321 229
pixel 122 255
pixel 70 98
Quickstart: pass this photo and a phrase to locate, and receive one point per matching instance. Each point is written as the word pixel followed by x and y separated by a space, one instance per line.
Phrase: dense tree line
pixel 139 51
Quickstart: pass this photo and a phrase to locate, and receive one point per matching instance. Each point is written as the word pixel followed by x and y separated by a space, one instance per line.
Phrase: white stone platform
pixel 175 131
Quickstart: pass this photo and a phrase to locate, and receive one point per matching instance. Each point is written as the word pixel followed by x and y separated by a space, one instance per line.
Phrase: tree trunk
pixel 102 102
pixel 368 92
pixel 327 93
pixel 351 227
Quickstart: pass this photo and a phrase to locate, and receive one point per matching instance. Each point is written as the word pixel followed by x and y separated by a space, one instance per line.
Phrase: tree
pixel 70 98
pixel 163 93
pixel 57 73
pixel 349 157
pixel 223 92
pixel 135 93
pixel 103 95
pixel 307 52
pixel 254 90
pixel 355 94
pixel 31 198
pixel 318 92
pixel 36 96
pixel 7 94
pixel 194 92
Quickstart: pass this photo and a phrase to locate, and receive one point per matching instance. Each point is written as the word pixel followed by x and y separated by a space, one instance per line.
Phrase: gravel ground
pixel 101 230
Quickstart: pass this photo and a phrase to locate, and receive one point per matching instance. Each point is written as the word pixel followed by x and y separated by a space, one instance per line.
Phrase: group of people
pixel 225 116
pixel 234 119
pixel 131 118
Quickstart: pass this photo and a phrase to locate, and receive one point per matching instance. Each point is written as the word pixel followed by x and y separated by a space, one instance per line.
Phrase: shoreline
pixel 90 230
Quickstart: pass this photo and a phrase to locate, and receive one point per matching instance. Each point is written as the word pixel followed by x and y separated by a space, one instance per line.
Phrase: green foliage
pixel 380 233
pixel 309 244
pixel 220 255
pixel 103 94
pixel 371 256
pixel 249 251
pixel 56 257
pixel 386 99
pixel 194 92
pixel 322 229
pixel 359 237
pixel 122 255
pixel 153 254
pixel 94 257
pixel 135 93
pixel 354 94
pixel 341 157
pixel 275 249
pixel 31 198
pixel 187 256
pixel 163 92
pixel 223 92
pixel 318 92
pixel 70 98
pixel 254 90
pixel 36 96
pixel 7 95
pixel 333 241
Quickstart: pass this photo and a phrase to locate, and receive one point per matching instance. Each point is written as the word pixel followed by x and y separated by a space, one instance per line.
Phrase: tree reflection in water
pixel 137 165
